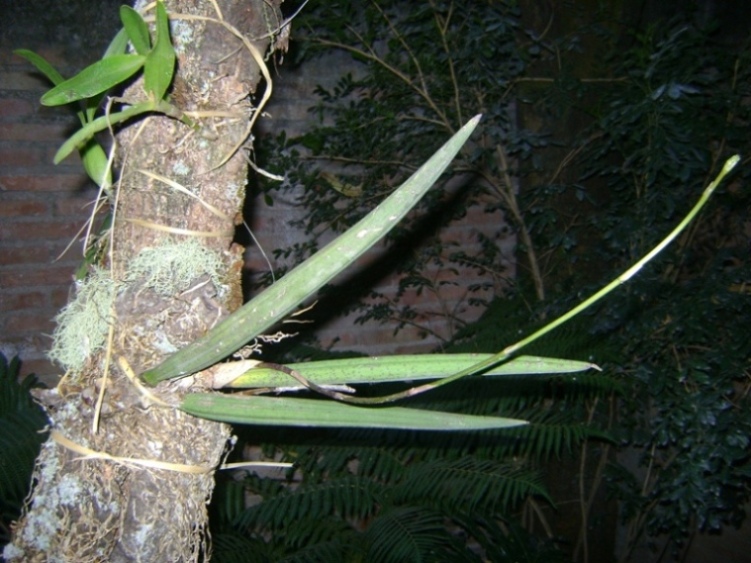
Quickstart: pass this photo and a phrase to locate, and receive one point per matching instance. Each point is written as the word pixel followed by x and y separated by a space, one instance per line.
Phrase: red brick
pixel 38 230
pixel 52 183
pixel 23 208
pixel 25 300
pixel 80 205
pixel 456 292
pixel 15 156
pixel 67 253
pixel 461 236
pixel 72 162
pixel 56 132
pixel 59 297
pixel 53 275
pixel 416 346
pixel 10 108
pixel 52 54
pixel 25 255
pixel 35 322
pixel 8 57
pixel 54 114
pixel 477 216
pixel 46 371
pixel 23 80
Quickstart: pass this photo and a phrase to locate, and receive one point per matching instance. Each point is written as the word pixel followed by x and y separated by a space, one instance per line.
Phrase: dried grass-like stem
pixel 442 26
pixel 258 58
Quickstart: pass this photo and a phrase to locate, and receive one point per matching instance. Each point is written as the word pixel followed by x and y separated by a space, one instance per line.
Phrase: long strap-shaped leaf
pixel 279 300
pixel 324 413
pixel 507 352
pixel 408 367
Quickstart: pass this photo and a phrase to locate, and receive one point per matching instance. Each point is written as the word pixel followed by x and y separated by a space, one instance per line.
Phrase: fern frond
pixel 19 446
pixel 378 463
pixel 347 497
pixel 412 534
pixel 468 484
pixel 15 394
pixel 520 545
pixel 381 464
pixel 310 531
pixel 317 461
pixel 325 552
pixel 236 548
pixel 588 386
pixel 550 434
pixel 21 421
pixel 227 502
pixel 265 488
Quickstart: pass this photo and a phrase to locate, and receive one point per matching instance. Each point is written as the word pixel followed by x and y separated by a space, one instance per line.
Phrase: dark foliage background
pixel 22 422
pixel 609 148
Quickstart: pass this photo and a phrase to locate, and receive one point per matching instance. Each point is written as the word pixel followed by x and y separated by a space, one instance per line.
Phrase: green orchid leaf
pixel 92 154
pixel 322 413
pixel 95 162
pixel 82 136
pixel 53 76
pixel 413 367
pixel 85 133
pixel 92 106
pixel 94 79
pixel 279 300
pixel 160 62
pixel 42 65
pixel 137 30
pixel 118 45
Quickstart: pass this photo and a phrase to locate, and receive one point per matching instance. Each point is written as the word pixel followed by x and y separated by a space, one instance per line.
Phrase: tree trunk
pixel 121 508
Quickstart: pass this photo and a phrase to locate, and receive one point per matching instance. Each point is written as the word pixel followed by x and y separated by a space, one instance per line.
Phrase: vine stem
pixel 372 56
pixel 511 201
pixel 507 352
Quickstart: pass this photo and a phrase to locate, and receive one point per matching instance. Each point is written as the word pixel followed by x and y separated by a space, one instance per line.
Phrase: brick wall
pixel 42 208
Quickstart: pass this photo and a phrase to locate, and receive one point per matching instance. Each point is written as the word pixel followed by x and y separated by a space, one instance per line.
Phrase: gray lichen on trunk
pixel 93 509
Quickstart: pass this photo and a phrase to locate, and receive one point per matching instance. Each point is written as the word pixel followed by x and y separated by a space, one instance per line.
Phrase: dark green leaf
pixel 137 30
pixel 42 65
pixel 94 79
pixel 326 413
pixel 83 135
pixel 280 299
pixel 118 45
pixel 160 62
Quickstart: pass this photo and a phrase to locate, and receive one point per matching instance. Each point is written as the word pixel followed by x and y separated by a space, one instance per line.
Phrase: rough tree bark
pixel 104 509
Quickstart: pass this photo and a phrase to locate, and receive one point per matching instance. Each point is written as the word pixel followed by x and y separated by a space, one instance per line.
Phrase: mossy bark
pixel 97 509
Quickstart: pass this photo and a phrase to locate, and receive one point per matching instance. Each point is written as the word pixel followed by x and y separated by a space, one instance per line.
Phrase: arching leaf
pixel 160 62
pixel 138 31
pixel 94 79
pixel 326 413
pixel 276 302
